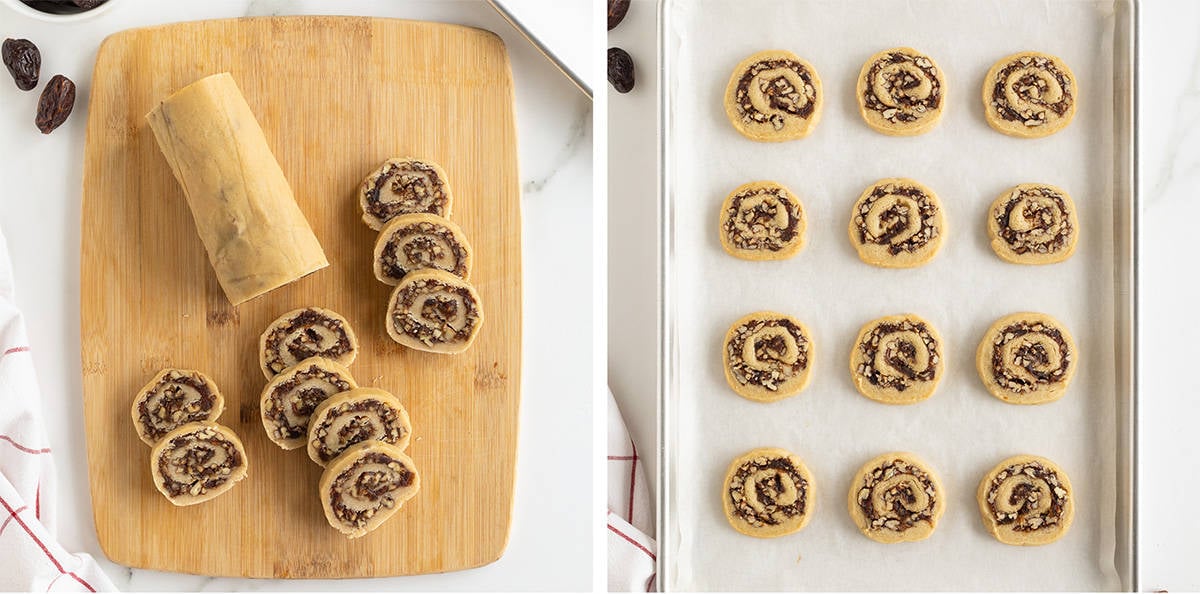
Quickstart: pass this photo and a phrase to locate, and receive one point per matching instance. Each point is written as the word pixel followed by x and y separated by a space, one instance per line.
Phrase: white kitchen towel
pixel 30 557
pixel 631 547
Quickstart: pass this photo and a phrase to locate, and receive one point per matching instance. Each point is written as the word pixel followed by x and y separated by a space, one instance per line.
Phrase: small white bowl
pixel 26 10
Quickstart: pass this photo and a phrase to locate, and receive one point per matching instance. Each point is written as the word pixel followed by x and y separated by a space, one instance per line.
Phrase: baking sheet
pixel 961 431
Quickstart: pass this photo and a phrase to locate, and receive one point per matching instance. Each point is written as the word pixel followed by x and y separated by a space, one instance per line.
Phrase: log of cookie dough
pixel 255 235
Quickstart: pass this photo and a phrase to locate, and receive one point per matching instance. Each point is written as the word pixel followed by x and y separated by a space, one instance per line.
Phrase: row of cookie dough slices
pixel 896 497
pixel 775 95
pixel 358 434
pixel 1023 358
pixel 422 253
pixel 193 459
pixel 899 223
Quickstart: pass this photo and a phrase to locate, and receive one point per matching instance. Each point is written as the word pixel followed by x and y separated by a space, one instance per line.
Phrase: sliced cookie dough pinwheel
pixel 197 462
pixel 356 416
pixel 896 498
pixel 901 92
pixel 1029 95
pixel 1033 224
pixel 897 223
pixel 288 400
pixel 1026 500
pixel 1027 358
pixel 897 359
pixel 404 186
pixel 434 311
pixel 303 333
pixel 774 96
pixel 768 492
pixel 767 356
pixel 175 397
pixel 366 485
pixel 418 242
pixel 762 220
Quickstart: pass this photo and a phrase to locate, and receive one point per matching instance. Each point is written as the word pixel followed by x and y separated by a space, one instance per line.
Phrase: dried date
pixel 24 62
pixel 616 12
pixel 56 103
pixel 620 69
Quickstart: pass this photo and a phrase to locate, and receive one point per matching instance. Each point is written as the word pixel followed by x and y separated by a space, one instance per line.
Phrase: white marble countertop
pixel 1170 173
pixel 40 177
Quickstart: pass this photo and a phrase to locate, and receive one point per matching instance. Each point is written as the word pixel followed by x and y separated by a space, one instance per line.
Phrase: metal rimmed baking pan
pixel 961 431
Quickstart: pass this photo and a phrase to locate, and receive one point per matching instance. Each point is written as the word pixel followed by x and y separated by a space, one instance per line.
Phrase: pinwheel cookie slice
pixel 762 220
pixel 773 96
pixel 901 92
pixel 896 498
pixel 289 400
pixel 421 241
pixel 174 397
pixel 1030 95
pixel 897 223
pixel 197 462
pixel 1027 358
pixel 366 485
pixel 767 356
pixel 404 186
pixel 434 311
pixel 303 333
pixel 1026 500
pixel 355 416
pixel 1033 224
pixel 768 492
pixel 897 359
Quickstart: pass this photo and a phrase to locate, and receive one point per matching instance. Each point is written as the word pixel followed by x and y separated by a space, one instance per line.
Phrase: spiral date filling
pixel 896 496
pixel 1035 220
pixel 356 422
pixel 1027 497
pixel 897 217
pixel 762 219
pixel 1026 356
pixel 772 90
pixel 767 353
pixel 293 402
pixel 903 88
pixel 434 312
pixel 768 491
pixel 359 492
pixel 198 462
pixel 176 400
pixel 404 189
pixel 309 334
pixel 423 245
pixel 1028 90
pixel 899 355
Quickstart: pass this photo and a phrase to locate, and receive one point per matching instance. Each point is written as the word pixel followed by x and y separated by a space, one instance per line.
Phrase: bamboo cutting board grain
pixel 335 97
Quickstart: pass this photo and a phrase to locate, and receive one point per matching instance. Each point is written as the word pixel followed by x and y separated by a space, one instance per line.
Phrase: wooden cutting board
pixel 335 97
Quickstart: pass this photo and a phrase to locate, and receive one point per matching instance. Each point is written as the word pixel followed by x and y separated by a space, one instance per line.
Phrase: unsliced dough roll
pixel 197 462
pixel 256 237
pixel 366 485
pixel 290 399
pixel 355 416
